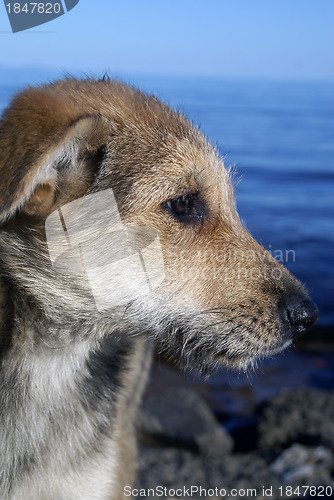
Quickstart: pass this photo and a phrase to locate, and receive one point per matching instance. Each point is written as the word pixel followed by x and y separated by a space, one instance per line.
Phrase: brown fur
pixel 72 377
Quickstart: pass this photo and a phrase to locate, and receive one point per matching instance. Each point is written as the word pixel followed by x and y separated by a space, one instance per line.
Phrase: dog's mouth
pixel 279 349
pixel 251 359
pixel 212 340
pixel 206 353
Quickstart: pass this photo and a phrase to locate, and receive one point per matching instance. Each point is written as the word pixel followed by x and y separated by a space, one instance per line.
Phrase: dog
pixel 73 366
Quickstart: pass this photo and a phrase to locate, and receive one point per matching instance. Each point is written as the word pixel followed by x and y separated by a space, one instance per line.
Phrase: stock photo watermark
pixel 24 15
pixel 87 237
pixel 285 491
pixel 236 264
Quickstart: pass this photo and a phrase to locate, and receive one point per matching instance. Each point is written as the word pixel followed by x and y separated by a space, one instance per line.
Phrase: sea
pixel 279 136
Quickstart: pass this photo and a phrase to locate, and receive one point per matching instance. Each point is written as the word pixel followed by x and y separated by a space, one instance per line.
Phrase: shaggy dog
pixel 118 231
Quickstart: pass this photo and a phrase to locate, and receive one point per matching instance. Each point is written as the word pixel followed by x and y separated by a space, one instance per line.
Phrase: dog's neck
pixel 52 392
pixel 6 315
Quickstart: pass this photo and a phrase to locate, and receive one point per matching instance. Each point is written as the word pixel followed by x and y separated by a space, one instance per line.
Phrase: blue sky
pixel 274 39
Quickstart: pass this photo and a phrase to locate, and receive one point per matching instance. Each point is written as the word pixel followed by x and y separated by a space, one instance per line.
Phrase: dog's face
pixel 223 299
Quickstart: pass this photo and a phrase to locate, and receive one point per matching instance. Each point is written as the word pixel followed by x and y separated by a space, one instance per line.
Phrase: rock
pixel 305 416
pixel 247 471
pixel 192 450
pixel 180 418
pixel 170 468
pixel 174 468
pixel 300 463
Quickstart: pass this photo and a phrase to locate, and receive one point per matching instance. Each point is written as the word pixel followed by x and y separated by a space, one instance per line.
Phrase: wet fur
pixel 71 377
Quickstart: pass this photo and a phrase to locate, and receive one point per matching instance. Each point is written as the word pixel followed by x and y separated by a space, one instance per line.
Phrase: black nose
pixel 302 314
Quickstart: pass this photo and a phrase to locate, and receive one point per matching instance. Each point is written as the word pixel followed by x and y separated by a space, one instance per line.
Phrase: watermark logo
pixel 24 15
pixel 86 238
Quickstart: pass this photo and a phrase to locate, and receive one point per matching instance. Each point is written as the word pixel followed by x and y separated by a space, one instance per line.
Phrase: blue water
pixel 280 136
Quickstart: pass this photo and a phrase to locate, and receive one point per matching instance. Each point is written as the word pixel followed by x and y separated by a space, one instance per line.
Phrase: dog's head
pixel 220 296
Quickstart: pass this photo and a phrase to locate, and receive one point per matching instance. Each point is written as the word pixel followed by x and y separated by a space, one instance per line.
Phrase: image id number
pixel 33 8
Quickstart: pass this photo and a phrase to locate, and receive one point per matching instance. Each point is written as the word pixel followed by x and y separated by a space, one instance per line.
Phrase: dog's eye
pixel 180 206
pixel 185 208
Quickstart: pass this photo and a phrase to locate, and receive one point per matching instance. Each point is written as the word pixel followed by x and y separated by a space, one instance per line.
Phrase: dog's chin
pixel 279 348
pixel 205 363
pixel 250 362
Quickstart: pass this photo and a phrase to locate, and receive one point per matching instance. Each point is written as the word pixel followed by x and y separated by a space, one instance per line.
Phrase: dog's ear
pixel 65 169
